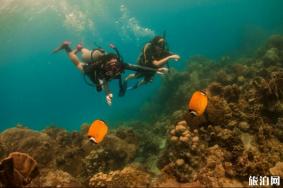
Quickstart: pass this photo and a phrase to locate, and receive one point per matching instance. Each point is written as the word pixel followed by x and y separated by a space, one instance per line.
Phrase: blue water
pixel 38 89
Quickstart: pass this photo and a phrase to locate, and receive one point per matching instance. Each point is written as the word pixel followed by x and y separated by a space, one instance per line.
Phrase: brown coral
pixel 223 77
pixel 38 145
pixel 218 110
pixel 213 173
pixel 240 69
pixel 113 153
pixel 251 162
pixel 277 170
pixel 214 89
pixel 130 176
pixel 231 93
pixel 276 84
pixel 167 181
pixel 55 178
pixel 184 152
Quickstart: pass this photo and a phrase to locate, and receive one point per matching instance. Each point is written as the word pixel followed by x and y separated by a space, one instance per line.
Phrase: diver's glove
pixel 112 46
pixel 175 57
pixel 109 99
pixel 162 70
pixel 79 47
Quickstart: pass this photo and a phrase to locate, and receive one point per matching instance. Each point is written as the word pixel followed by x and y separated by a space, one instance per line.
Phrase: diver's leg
pixel 120 82
pixel 78 48
pixel 140 83
pixel 124 83
pixel 131 76
pixel 75 60
pixel 146 80
pixel 86 55
pixel 85 51
pixel 122 86
pixel 71 53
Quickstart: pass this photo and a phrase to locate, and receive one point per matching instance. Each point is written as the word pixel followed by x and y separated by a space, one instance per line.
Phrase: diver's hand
pixel 112 46
pixel 109 99
pixel 175 57
pixel 162 70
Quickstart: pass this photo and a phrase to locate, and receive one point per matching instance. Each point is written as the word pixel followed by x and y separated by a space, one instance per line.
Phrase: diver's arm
pixel 107 91
pixel 105 87
pixel 116 51
pixel 164 60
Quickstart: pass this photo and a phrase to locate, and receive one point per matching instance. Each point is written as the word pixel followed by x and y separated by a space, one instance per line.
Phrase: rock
pixel 174 139
pixel 180 162
pixel 232 123
pixel 243 125
pixel 241 79
pixel 180 128
pixel 184 139
pixel 271 56
pixel 184 123
pixel 186 133
pixel 173 132
pixel 229 169
pixel 277 170
pixel 195 139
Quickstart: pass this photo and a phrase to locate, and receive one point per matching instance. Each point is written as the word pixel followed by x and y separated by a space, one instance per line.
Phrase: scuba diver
pixel 101 67
pixel 154 55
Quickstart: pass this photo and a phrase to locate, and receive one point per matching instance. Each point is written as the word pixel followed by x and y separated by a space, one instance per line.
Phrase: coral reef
pixel 55 178
pixel 167 181
pixel 277 170
pixel 130 176
pixel 183 153
pixel 114 153
pixel 243 121
pixel 213 173
pixel 38 145
pixel 239 135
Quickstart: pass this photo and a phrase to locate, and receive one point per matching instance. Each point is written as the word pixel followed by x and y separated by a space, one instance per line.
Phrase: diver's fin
pixel 164 34
pixel 64 45
pixel 133 87
pixel 123 89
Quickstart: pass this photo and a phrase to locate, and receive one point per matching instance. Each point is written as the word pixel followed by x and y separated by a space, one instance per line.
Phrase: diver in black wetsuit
pixel 101 67
pixel 155 54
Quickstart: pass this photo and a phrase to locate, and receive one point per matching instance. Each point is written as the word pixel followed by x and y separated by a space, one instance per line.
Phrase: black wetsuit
pixel 103 70
pixel 146 59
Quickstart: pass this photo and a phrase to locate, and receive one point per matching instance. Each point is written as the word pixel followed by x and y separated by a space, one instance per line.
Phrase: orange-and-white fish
pixel 198 103
pixel 97 131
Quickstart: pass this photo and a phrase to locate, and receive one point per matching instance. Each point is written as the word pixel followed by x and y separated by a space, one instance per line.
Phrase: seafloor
pixel 241 135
